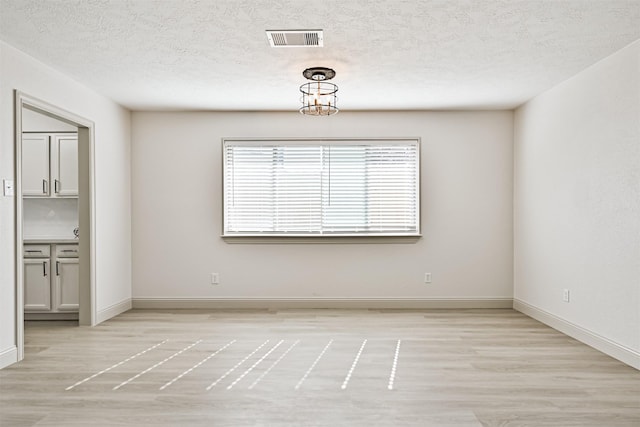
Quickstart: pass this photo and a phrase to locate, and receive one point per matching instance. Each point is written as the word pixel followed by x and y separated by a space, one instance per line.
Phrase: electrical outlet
pixel 427 277
pixel 215 279
pixel 565 295
pixel 8 187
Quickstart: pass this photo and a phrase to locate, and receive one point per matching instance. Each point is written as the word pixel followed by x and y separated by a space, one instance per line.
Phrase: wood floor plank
pixel 453 368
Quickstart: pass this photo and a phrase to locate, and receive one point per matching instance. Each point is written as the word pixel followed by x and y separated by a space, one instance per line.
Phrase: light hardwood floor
pixel 315 368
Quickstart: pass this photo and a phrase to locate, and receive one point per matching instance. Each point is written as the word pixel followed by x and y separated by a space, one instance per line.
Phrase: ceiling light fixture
pixel 318 95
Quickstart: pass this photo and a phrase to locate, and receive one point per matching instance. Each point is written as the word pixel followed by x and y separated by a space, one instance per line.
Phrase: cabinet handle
pixel 56 185
pixel 44 268
pixel 70 250
pixel 44 186
pixel 57 268
pixel 32 251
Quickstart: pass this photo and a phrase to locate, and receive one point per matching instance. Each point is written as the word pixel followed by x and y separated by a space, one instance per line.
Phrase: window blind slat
pixel 276 188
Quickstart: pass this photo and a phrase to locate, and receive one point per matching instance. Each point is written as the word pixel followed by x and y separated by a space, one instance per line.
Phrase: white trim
pixel 18 246
pixel 605 345
pixel 8 356
pixel 87 312
pixel 331 239
pixel 51 316
pixel 114 310
pixel 339 303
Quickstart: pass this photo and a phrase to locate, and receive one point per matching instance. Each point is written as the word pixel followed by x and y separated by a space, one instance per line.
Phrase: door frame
pixel 86 210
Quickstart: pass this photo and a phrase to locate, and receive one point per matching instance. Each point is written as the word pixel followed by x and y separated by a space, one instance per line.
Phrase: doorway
pixel 84 243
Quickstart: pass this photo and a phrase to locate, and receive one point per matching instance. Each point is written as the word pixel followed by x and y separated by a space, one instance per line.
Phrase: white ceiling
pixel 388 54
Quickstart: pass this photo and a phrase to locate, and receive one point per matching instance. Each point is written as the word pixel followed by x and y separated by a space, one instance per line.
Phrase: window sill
pixel 320 239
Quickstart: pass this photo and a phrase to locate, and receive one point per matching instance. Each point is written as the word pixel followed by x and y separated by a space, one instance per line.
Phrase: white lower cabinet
pixel 37 285
pixel 51 278
pixel 67 282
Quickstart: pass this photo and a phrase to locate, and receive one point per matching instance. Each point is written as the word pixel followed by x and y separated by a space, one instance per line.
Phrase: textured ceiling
pixel 388 54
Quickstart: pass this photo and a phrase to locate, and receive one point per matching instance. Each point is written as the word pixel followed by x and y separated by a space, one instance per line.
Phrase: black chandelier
pixel 318 95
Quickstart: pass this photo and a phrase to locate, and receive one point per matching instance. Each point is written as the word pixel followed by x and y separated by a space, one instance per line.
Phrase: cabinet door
pixel 65 165
pixel 37 286
pixel 35 165
pixel 67 283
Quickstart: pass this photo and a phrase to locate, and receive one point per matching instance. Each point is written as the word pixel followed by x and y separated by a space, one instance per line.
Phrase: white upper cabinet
pixel 35 165
pixel 65 172
pixel 49 165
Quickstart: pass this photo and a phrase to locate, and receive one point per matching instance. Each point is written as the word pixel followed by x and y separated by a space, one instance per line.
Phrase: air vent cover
pixel 295 38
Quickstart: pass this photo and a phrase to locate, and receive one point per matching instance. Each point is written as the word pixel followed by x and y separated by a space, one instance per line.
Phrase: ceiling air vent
pixel 295 38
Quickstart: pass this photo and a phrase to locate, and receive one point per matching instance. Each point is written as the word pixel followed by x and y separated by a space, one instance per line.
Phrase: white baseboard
pixel 608 347
pixel 113 310
pixel 338 303
pixel 8 356
pixel 51 316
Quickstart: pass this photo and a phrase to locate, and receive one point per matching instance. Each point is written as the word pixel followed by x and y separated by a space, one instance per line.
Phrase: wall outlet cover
pixel 8 187
pixel 215 279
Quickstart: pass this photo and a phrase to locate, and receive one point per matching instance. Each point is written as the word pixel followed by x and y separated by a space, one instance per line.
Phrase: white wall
pixel 466 211
pixel 113 201
pixel 577 204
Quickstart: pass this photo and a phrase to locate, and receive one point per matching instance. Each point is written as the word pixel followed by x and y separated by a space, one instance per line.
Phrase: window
pixel 321 187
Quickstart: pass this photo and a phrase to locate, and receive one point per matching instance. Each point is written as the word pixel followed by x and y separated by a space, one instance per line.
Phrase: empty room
pixel 332 213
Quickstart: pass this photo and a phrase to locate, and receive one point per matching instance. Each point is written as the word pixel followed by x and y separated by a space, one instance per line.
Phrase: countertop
pixel 44 241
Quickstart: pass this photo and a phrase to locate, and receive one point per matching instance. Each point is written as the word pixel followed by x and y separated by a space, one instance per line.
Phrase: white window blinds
pixel 324 188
